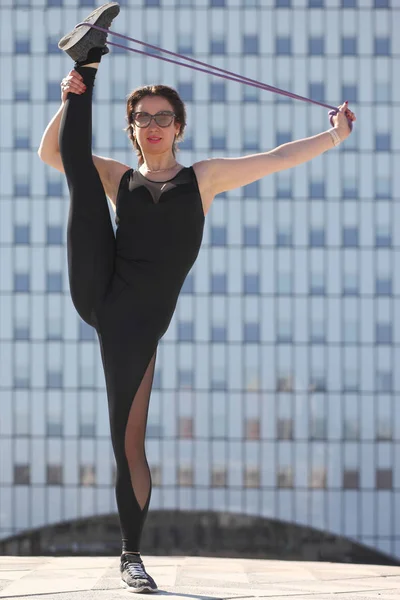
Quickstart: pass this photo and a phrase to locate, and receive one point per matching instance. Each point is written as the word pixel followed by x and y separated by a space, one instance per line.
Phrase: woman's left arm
pixel 229 173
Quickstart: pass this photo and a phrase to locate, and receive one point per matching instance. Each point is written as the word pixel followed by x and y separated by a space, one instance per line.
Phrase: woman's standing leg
pixel 90 235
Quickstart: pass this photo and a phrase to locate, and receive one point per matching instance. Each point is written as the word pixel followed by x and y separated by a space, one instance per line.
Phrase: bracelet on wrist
pixel 335 136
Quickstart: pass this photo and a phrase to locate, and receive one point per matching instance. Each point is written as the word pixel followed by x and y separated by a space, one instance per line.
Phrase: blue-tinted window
pixel 316 46
pixel 383 187
pixel 22 2
pixel 185 331
pixel 251 332
pixel 218 283
pixel 251 235
pixel 217 47
pixel 350 237
pixel 217 3
pixel 349 3
pixel 217 91
pixel 187 143
pixel 22 46
pixel 251 283
pixel 185 90
pixel 316 91
pixel 316 3
pixel 188 285
pixel 350 92
pixel 22 188
pixel 53 91
pixel 317 284
pixel 382 4
pixel 54 188
pixel 52 47
pixel 22 234
pixel 54 379
pixel 383 333
pixel 383 142
pixel 382 46
pixel 317 331
pixel 86 332
pixel 55 2
pixel 218 235
pixel 250 44
pixel 22 94
pixel 284 283
pixel 250 93
pixel 350 284
pixel 22 332
pixel 350 189
pixel 152 2
pixel 283 3
pixel 252 190
pixel 251 141
pixel 185 378
pixel 22 141
pixel 218 142
pixel 283 186
pixel 283 45
pixel 22 282
pixel 218 333
pixel 383 237
pixel 283 137
pixel 382 91
pixel 317 238
pixel 316 189
pixel 284 333
pixel 284 237
pixel 54 282
pixel 384 381
pixel 87 2
pixel 54 235
pixel 383 286
pixel 349 46
pixel 185 43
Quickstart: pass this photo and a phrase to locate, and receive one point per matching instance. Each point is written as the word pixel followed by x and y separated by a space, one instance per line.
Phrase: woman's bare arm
pixel 110 171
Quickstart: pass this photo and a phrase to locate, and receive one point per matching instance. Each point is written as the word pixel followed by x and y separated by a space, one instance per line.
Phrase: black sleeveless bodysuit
pixel 126 286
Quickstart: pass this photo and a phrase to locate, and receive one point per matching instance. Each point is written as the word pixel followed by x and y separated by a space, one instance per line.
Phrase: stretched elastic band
pixel 218 72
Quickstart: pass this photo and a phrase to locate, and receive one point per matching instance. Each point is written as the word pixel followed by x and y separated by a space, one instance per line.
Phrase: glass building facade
pixel 276 392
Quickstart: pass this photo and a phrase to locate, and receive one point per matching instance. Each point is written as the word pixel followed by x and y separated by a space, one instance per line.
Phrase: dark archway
pixel 196 533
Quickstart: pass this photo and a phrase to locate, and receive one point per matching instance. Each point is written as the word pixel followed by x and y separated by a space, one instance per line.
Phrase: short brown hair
pixel 155 90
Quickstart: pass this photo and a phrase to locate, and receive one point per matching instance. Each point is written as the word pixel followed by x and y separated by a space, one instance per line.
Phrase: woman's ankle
pixel 93 65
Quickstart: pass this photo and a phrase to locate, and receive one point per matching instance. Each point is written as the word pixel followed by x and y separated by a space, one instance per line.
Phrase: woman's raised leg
pixel 90 235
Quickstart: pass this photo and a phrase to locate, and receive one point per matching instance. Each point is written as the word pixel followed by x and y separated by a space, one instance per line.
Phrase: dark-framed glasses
pixel 163 118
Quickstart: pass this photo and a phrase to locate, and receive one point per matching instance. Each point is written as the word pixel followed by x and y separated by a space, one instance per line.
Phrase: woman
pixel 126 286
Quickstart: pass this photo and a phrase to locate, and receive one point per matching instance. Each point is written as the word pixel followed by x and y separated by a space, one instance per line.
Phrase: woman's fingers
pixel 73 82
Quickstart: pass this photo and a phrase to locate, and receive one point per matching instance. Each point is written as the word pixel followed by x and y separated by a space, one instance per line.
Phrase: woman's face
pixel 155 139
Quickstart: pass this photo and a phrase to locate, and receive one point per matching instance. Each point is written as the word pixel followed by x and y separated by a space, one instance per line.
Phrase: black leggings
pixel 93 281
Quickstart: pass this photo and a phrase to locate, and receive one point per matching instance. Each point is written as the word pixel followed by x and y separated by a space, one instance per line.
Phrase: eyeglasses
pixel 163 118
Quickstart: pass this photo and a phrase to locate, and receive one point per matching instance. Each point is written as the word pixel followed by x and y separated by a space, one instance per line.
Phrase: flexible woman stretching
pixel 127 286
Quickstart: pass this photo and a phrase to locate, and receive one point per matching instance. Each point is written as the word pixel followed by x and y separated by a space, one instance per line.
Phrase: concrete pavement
pixel 87 578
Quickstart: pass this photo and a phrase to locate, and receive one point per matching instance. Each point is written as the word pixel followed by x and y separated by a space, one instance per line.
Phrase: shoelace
pixel 136 570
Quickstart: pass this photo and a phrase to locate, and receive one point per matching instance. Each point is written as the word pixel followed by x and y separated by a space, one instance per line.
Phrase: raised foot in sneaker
pixel 133 575
pixel 81 39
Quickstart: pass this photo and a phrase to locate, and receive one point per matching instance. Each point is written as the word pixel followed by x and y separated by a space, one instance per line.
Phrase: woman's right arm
pixel 49 150
pixel 110 171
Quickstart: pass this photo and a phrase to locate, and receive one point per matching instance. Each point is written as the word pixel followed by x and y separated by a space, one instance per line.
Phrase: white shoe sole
pixel 144 589
pixel 78 33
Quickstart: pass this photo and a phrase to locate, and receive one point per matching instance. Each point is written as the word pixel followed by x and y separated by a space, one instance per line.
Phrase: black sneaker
pixel 133 575
pixel 81 39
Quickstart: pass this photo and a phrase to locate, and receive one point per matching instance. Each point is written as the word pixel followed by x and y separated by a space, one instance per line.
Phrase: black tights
pixel 93 280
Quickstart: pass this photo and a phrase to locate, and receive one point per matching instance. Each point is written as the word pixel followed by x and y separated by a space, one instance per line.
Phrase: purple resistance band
pixel 217 71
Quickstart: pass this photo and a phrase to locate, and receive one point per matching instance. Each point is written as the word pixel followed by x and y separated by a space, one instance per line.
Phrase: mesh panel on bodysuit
pixel 135 436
